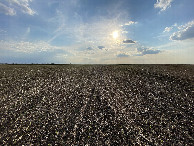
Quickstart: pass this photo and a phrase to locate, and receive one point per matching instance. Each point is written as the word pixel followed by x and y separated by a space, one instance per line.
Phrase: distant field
pixel 97 104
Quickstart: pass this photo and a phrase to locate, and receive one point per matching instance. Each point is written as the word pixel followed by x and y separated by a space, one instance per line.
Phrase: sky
pixel 97 31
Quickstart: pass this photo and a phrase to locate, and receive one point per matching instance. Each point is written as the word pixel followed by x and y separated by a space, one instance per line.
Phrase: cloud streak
pixel 23 5
pixel 16 5
pixel 7 10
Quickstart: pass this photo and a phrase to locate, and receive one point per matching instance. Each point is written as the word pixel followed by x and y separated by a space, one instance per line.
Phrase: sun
pixel 115 34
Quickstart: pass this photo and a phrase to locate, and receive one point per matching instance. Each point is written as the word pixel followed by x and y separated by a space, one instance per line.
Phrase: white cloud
pixel 89 34
pixel 9 7
pixel 32 52
pixel 163 4
pixel 124 32
pixel 26 47
pixel 23 5
pixel 128 54
pixel 3 32
pixel 7 10
pixel 185 32
pixel 136 50
pixel 175 25
pixel 168 29
pixel 145 51
pixel 130 23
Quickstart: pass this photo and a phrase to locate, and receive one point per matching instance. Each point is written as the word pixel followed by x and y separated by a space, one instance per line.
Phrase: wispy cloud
pixel 23 5
pixel 185 32
pixel 7 10
pixel 129 23
pixel 89 34
pixel 3 32
pixel 124 31
pixel 16 5
pixel 163 4
pixel 168 29
pixel 27 47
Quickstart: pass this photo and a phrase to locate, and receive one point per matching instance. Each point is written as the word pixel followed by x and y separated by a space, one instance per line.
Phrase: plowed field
pixel 97 104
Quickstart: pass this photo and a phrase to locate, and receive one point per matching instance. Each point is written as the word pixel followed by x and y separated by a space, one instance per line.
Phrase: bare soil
pixel 96 104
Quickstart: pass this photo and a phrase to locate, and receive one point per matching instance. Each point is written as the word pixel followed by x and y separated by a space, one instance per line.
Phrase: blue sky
pixel 97 31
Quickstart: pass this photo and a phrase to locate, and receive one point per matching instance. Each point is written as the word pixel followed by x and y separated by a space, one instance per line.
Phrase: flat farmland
pixel 96 105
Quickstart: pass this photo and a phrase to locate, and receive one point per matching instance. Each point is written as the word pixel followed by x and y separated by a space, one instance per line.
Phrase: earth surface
pixel 96 105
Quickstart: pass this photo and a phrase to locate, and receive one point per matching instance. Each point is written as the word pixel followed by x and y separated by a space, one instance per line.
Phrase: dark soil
pixel 96 104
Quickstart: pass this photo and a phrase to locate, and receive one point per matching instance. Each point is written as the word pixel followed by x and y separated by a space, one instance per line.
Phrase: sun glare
pixel 115 34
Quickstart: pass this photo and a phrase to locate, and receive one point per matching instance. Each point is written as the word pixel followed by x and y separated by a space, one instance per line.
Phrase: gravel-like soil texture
pixel 96 105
